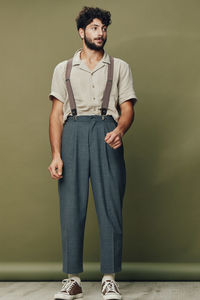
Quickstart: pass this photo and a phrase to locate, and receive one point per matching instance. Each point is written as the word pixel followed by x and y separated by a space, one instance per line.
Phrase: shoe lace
pixel 67 284
pixel 111 286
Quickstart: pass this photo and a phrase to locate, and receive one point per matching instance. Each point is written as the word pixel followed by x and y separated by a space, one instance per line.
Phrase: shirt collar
pixel 77 60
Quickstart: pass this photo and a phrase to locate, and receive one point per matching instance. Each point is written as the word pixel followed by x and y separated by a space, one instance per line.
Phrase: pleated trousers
pixel 85 154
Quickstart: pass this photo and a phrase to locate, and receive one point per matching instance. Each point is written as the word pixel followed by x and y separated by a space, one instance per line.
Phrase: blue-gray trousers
pixel 85 154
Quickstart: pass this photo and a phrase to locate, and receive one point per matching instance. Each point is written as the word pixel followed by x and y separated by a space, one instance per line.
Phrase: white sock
pixel 110 276
pixel 75 276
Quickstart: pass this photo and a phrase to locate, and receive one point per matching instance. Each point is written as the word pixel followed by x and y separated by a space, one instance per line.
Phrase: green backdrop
pixel 161 42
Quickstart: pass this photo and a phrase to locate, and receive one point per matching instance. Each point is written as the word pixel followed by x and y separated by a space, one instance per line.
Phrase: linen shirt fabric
pixel 88 86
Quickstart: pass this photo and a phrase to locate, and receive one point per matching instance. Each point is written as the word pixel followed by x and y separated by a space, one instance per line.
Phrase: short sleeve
pixel 58 86
pixel 125 86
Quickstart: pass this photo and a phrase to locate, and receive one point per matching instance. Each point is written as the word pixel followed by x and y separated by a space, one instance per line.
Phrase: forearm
pixel 125 121
pixel 55 134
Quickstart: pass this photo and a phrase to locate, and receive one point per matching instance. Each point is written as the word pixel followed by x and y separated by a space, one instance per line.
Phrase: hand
pixel 114 139
pixel 55 168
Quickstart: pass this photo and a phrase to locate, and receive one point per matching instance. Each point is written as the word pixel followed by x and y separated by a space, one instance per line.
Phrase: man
pixel 88 120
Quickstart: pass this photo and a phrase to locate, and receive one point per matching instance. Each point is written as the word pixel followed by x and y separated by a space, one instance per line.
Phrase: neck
pixel 91 55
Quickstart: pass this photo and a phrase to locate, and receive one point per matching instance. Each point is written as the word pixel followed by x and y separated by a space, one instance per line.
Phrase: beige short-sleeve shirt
pixel 88 86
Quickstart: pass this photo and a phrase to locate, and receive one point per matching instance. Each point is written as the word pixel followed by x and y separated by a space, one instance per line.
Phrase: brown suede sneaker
pixel 110 290
pixel 70 290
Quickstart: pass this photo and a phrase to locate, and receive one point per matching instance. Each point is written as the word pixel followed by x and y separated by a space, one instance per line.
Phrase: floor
pixel 142 290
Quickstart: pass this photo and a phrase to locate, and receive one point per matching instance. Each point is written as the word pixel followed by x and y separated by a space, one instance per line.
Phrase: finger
pixel 59 170
pixel 107 136
pixel 54 173
pixel 116 140
pixel 111 139
pixel 117 146
pixel 57 176
pixel 111 144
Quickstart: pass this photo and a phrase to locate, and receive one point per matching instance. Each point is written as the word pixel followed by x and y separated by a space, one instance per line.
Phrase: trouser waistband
pixel 89 117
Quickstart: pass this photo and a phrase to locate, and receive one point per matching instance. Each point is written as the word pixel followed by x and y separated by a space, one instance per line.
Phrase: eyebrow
pixel 98 25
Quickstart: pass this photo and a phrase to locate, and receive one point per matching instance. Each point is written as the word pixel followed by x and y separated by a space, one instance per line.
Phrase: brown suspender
pixel 106 95
pixel 69 88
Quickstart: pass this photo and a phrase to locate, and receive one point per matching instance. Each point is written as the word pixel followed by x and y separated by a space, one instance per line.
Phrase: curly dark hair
pixel 87 14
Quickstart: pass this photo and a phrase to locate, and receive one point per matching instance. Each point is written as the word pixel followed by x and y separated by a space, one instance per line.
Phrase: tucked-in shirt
pixel 88 86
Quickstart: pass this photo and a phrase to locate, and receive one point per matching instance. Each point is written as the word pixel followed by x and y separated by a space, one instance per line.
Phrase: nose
pixel 100 32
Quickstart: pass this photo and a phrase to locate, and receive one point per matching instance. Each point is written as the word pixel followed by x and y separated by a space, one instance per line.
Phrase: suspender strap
pixel 106 95
pixel 69 88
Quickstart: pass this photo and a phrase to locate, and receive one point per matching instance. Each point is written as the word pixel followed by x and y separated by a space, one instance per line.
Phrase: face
pixel 94 35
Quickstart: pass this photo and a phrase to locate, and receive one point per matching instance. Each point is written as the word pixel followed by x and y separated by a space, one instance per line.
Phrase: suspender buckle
pixel 102 117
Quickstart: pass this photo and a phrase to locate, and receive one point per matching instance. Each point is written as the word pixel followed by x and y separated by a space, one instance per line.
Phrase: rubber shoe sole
pixel 111 297
pixel 68 297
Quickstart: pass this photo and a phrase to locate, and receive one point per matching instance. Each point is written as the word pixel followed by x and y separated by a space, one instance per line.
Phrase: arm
pixel 127 117
pixel 55 134
pixel 126 99
pixel 114 138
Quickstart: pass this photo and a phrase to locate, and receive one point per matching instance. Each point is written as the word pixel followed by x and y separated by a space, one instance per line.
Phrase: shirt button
pixel 93 86
pixel 94 98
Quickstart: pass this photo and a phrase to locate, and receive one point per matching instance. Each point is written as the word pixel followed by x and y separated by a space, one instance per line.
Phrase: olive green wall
pixel 161 42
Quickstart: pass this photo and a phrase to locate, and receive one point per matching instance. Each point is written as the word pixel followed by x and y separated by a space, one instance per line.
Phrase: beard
pixel 92 45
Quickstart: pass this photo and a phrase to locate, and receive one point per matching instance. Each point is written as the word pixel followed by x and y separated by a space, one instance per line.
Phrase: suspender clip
pixel 74 113
pixel 103 111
